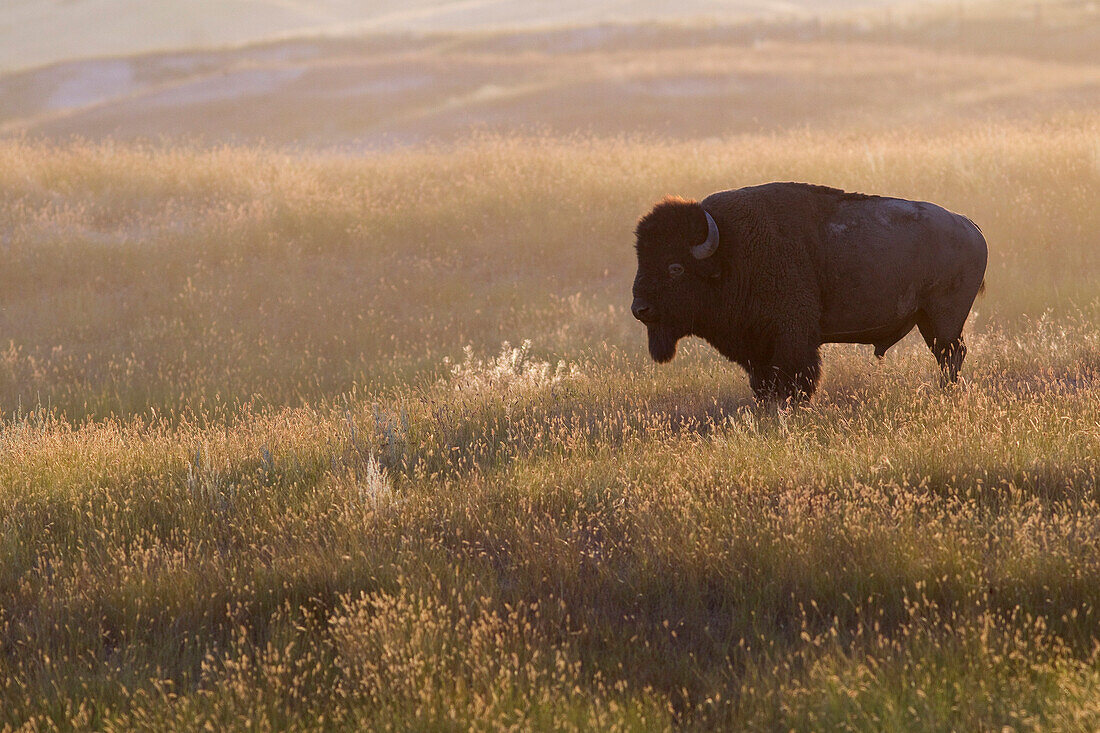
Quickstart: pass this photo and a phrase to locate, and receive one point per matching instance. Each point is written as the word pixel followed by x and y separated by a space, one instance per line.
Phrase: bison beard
pixel 662 343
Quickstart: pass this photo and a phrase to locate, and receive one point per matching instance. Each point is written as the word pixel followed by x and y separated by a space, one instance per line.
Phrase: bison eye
pixel 676 269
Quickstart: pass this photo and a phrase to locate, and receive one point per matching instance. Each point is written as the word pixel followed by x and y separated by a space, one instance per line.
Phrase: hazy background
pixel 362 75
pixel 373 190
pixel 34 32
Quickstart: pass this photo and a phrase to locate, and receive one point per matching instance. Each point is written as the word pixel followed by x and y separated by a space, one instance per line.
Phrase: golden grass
pixel 140 278
pixel 250 476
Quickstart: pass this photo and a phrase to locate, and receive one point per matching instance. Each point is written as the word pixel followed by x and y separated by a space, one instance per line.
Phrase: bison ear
pixel 710 267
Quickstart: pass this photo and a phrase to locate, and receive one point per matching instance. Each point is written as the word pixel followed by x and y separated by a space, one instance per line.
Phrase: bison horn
pixel 707 248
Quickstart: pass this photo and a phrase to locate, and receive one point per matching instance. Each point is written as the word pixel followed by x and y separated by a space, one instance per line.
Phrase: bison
pixel 767 274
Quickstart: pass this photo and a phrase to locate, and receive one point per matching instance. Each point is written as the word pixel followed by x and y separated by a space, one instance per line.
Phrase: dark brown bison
pixel 769 273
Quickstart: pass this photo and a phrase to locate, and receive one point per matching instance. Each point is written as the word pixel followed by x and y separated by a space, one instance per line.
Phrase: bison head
pixel 676 243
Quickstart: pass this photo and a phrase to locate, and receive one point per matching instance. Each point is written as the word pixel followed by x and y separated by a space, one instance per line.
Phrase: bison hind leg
pixel 946 345
pixel 950 358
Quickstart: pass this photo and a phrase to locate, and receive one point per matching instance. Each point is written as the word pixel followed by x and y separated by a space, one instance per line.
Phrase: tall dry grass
pixel 251 476
pixel 149 278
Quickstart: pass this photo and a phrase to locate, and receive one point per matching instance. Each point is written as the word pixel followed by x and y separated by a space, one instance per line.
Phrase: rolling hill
pixel 655 80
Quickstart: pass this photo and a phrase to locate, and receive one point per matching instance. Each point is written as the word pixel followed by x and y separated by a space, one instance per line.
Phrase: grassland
pixel 292 438
pixel 252 476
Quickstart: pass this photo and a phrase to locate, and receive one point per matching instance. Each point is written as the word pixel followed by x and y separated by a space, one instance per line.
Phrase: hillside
pixel 38 32
pixel 680 82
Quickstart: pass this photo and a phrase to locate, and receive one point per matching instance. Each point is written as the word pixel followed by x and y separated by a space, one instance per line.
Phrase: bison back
pixel 882 260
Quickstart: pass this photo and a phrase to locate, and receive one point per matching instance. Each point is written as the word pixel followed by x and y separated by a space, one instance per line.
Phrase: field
pixel 297 438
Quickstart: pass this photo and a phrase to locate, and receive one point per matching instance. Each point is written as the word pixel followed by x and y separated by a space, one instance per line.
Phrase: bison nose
pixel 642 310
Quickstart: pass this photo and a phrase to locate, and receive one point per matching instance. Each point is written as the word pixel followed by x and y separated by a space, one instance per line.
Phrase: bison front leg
pixel 763 387
pixel 790 376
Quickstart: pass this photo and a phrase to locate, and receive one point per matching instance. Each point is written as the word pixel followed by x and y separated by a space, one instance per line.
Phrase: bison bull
pixel 767 274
